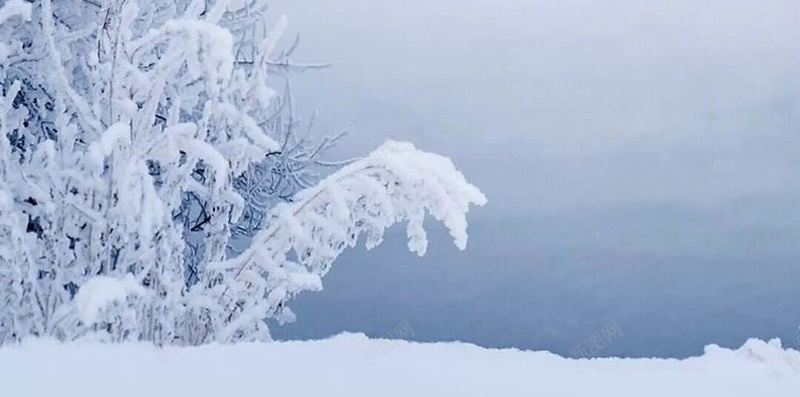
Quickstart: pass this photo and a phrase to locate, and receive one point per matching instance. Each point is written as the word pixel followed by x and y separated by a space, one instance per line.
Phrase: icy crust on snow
pixel 352 364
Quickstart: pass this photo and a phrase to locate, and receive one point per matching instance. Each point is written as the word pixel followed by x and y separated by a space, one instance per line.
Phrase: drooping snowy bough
pixel 139 138
pixel 395 183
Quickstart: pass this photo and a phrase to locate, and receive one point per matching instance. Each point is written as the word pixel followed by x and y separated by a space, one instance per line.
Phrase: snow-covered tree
pixel 139 137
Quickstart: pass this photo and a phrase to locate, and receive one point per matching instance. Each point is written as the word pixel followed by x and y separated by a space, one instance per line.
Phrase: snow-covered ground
pixel 353 365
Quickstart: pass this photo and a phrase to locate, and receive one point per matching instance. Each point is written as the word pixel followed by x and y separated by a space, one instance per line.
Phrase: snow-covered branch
pixel 143 145
pixel 395 183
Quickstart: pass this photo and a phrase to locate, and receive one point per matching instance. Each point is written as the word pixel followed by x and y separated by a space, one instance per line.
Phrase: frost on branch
pixel 395 183
pixel 154 183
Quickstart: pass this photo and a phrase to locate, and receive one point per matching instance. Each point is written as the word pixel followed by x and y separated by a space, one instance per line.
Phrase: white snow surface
pixel 353 365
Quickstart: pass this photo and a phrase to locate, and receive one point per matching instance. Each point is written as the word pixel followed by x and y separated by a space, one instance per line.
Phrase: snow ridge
pixel 341 366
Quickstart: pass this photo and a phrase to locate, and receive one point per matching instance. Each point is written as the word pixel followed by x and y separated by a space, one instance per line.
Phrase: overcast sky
pixel 641 159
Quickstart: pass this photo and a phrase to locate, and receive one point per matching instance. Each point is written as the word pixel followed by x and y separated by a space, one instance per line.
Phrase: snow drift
pixel 352 364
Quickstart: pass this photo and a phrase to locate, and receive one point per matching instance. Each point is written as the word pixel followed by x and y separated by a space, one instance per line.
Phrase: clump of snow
pixel 13 8
pixel 347 365
pixel 102 291
pixel 10 9
pixel 116 136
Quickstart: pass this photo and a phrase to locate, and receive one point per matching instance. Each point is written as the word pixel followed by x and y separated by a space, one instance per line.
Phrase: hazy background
pixel 641 160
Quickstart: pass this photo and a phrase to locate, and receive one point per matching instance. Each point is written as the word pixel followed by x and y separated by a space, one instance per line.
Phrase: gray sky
pixel 639 158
